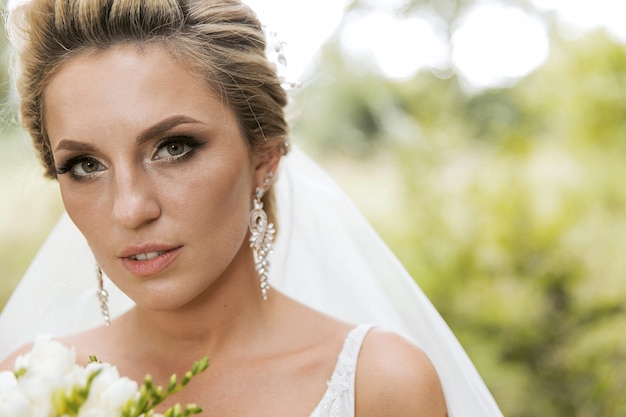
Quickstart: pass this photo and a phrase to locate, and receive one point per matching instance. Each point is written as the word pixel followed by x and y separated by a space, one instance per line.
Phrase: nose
pixel 135 203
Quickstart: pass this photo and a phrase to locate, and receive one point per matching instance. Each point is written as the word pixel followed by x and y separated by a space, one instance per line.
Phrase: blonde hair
pixel 220 39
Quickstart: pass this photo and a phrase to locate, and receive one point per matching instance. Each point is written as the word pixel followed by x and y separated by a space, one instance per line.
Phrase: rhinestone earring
pixel 103 296
pixel 261 236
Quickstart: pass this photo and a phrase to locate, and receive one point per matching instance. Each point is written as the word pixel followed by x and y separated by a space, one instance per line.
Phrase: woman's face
pixel 153 170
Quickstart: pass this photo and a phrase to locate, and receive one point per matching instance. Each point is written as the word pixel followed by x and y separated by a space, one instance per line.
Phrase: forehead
pixel 128 63
pixel 129 86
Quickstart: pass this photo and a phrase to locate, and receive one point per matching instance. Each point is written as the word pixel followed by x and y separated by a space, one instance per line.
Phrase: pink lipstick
pixel 148 259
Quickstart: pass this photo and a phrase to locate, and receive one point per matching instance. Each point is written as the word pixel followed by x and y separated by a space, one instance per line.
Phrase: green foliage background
pixel 508 206
pixel 508 209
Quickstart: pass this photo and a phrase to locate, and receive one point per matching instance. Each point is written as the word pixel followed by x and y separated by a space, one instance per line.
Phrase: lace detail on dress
pixel 338 400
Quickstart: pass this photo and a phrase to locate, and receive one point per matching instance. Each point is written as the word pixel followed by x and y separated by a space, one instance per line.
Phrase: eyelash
pixel 189 146
pixel 68 166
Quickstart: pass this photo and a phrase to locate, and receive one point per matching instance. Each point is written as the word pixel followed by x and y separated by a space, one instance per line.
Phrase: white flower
pixel 13 403
pixel 46 366
pixel 48 382
pixel 109 392
pixel 49 358
pixel 7 381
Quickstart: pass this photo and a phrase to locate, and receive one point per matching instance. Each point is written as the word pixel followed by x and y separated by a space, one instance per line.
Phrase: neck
pixel 229 317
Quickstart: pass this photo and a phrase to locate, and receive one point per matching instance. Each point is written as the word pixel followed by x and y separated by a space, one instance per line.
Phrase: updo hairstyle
pixel 220 39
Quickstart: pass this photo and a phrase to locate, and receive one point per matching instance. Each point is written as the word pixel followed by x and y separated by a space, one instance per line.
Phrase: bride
pixel 163 123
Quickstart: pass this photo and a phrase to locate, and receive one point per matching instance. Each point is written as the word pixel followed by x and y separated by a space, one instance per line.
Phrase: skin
pixel 107 115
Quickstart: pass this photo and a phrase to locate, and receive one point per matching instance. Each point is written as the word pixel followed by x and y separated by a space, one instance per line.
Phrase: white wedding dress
pixel 326 256
pixel 338 400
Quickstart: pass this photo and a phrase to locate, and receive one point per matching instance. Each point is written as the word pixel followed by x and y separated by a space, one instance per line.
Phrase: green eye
pixel 175 148
pixel 81 167
pixel 88 166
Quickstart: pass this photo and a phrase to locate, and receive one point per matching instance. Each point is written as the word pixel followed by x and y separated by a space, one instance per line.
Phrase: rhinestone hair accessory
pixel 261 236
pixel 103 296
pixel 275 51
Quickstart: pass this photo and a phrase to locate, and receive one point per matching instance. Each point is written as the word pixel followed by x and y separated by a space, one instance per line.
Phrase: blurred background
pixel 485 141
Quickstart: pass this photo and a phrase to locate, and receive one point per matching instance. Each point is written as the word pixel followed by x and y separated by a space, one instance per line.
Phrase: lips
pixel 146 256
pixel 144 260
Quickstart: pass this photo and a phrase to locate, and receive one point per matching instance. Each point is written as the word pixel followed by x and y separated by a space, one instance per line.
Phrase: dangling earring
pixel 261 236
pixel 103 296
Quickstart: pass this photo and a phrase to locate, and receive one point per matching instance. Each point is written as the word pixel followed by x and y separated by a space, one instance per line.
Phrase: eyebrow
pixel 73 145
pixel 155 130
pixel 163 126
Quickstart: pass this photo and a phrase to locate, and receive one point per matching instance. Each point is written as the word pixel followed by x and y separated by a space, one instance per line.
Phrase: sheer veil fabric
pixel 326 256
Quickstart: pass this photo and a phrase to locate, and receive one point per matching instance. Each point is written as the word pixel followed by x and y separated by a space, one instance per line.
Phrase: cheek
pixel 81 204
pixel 90 214
pixel 213 202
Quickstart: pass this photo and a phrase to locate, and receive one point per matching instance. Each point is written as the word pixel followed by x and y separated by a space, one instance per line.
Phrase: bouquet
pixel 47 382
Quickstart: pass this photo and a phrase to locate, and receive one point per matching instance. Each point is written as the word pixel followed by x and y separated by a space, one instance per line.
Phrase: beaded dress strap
pixel 338 400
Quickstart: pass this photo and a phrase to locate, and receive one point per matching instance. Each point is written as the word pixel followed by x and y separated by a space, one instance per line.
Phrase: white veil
pixel 326 256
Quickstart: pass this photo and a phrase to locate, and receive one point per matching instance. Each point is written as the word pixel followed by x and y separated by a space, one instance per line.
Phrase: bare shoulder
pixel 8 364
pixel 86 343
pixel 395 377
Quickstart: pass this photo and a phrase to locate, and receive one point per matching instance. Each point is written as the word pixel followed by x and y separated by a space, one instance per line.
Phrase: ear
pixel 264 163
